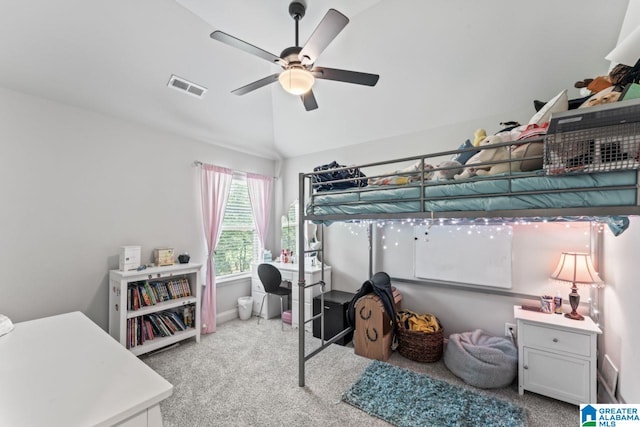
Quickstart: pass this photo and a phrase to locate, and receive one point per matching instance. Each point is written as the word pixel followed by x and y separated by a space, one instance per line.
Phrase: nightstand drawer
pixel 555 339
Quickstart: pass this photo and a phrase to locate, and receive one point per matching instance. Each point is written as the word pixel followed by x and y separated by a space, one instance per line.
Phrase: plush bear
pixel 485 155
pixel 500 153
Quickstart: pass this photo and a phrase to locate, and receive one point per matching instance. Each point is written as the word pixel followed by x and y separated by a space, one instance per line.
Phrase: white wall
pixel 621 316
pixel 76 185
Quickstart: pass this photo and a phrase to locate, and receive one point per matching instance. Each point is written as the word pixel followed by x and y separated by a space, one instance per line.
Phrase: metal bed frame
pixel 306 183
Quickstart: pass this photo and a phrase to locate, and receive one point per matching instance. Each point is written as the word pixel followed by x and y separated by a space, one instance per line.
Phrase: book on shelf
pixel 161 324
pixel 149 292
pixel 138 298
pixel 168 322
pixel 157 329
pixel 186 287
pixel 154 291
pixel 133 300
pixel 162 290
pixel 139 332
pixel 147 324
pixel 129 332
pixel 171 290
pixel 145 298
pixel 177 319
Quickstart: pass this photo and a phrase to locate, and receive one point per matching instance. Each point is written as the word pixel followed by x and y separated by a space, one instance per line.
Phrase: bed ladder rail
pixel 323 343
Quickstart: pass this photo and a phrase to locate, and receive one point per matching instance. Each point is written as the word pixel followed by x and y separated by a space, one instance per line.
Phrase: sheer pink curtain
pixel 260 196
pixel 214 189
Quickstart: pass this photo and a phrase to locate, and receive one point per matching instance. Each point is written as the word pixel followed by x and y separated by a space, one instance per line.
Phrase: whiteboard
pixel 469 254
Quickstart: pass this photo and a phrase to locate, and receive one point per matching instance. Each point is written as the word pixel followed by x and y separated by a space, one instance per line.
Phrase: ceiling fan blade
pixel 345 76
pixel 309 100
pixel 327 30
pixel 247 47
pixel 256 85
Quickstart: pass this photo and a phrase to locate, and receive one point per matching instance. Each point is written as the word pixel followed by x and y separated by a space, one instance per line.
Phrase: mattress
pixel 617 188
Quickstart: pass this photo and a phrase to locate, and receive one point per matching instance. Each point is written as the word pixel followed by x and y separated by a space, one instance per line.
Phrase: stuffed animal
pixel 478 136
pixel 496 154
pixel 617 76
pixel 453 167
pixel 404 176
pixel 605 96
pixel 485 155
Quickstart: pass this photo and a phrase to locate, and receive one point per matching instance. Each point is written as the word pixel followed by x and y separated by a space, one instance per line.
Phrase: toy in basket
pixel 420 336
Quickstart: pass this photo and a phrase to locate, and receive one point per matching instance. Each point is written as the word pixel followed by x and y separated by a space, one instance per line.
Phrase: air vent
pixel 178 83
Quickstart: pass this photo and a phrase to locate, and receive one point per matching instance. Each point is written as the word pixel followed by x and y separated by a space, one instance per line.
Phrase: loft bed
pixel 579 170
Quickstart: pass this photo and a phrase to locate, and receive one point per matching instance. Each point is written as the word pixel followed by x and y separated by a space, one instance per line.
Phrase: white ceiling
pixel 440 62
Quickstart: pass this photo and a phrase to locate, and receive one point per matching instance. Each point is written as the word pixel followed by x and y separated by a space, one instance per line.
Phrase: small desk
pixel 66 371
pixel 290 272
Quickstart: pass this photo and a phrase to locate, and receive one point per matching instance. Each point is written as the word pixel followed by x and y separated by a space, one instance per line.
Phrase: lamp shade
pixel 627 52
pixel 296 80
pixel 576 267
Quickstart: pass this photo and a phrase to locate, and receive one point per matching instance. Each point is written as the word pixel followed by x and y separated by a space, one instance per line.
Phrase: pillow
pixel 463 157
pixel 530 149
pixel 605 96
pixel 557 104
pixel 573 103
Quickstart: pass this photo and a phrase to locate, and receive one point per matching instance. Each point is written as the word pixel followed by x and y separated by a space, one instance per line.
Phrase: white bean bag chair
pixel 482 360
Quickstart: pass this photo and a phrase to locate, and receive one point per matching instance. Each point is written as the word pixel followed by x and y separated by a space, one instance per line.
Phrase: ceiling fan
pixel 298 71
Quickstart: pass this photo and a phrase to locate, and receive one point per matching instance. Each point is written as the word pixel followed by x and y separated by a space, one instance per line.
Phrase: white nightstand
pixel 557 356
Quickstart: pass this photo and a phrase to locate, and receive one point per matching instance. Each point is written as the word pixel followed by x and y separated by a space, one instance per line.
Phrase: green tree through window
pixel 238 243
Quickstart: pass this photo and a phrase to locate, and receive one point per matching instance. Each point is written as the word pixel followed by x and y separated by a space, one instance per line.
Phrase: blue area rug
pixel 406 398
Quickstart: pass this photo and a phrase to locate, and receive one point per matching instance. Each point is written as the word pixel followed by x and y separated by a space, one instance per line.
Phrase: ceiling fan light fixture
pixel 296 80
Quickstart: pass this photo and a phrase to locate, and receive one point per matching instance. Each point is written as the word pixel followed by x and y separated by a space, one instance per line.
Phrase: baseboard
pixel 226 316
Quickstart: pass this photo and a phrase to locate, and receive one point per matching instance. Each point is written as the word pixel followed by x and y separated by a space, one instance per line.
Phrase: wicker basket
pixel 420 346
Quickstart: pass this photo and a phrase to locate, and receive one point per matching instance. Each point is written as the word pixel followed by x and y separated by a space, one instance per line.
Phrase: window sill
pixel 231 279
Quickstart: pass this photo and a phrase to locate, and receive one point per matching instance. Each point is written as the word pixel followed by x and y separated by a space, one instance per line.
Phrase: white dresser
pixel 557 356
pixel 289 272
pixel 66 371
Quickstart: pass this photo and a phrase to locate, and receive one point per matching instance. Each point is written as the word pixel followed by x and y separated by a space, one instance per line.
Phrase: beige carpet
pixel 247 375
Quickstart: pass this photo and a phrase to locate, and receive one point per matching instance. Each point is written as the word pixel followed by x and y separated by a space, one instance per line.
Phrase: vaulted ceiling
pixel 440 62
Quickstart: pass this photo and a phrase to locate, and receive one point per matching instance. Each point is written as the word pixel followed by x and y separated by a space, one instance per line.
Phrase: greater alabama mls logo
pixel 609 415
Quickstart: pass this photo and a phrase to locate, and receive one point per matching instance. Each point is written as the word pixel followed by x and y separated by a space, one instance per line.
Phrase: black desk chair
pixel 272 281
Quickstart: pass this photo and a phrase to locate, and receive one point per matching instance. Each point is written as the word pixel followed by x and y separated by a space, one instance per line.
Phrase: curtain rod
pixel 199 163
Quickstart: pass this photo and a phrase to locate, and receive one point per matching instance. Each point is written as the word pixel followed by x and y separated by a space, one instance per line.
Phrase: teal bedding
pixel 481 194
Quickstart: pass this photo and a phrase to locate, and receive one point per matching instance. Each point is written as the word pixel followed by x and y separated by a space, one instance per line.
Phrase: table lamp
pixel 577 269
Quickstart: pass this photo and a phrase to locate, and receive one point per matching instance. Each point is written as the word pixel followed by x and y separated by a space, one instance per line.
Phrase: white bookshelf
pixel 120 312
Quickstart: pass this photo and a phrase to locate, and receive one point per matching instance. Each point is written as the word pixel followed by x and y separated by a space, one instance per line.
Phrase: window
pixel 289 238
pixel 239 243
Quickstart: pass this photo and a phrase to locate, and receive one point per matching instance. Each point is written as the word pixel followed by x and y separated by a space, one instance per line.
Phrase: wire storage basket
pixel 420 346
pixel 604 149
